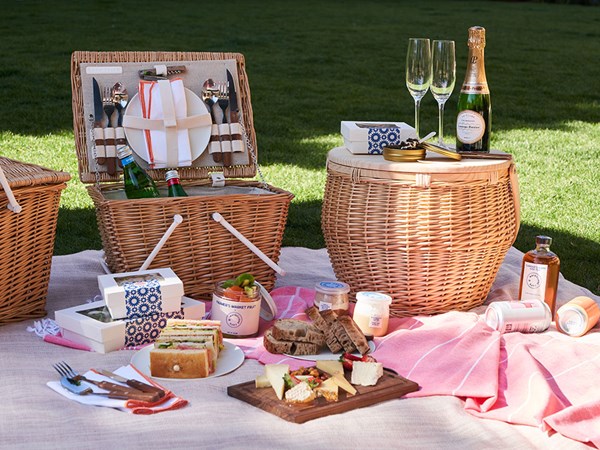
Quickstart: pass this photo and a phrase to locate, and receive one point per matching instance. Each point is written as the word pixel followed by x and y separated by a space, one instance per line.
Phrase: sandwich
pixel 186 349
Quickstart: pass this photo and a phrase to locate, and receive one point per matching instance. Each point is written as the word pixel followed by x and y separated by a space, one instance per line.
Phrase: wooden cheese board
pixel 390 386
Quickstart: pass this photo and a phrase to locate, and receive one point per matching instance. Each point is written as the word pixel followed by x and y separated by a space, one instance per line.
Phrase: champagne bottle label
pixel 534 281
pixel 470 126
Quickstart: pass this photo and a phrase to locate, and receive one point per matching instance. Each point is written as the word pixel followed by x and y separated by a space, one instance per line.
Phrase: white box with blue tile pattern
pixel 91 325
pixel 371 137
pixel 141 293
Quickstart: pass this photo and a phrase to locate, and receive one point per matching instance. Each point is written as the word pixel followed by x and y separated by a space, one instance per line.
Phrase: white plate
pixel 328 355
pixel 199 136
pixel 230 359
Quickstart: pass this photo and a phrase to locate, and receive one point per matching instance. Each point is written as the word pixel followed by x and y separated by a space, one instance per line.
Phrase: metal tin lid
pixel 332 287
pixel 373 297
pixel 268 308
pixel 572 320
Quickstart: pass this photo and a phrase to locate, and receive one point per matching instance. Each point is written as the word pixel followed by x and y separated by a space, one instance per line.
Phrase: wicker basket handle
pixel 13 205
pixel 514 185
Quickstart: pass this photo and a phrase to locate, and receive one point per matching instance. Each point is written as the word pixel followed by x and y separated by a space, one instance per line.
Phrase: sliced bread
pixel 290 347
pixel 340 333
pixel 298 331
pixel 355 333
pixel 332 343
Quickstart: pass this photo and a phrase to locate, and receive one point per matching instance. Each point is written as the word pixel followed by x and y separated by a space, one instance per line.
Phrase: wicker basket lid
pixel 20 174
pixel 377 167
pixel 111 67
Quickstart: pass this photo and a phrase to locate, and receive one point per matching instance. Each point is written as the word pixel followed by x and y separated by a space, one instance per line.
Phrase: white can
pixel 525 316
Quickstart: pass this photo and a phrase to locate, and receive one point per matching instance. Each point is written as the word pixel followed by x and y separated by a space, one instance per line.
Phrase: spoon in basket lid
pixel 120 98
pixel 209 97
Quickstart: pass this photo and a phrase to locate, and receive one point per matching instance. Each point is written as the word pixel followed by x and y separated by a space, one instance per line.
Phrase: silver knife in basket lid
pixel 98 117
pixel 234 109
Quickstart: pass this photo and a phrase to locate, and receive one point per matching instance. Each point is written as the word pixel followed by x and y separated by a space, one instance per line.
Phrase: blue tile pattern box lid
pixel 381 137
pixel 142 298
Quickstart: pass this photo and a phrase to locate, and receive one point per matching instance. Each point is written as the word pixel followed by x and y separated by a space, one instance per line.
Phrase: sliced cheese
pixel 275 373
pixel 330 367
pixel 301 393
pixel 366 373
pixel 341 381
pixel 262 382
pixel 328 389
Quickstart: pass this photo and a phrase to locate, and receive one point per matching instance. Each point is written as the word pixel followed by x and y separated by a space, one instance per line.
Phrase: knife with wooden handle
pixel 148 388
pixel 234 111
pixel 98 127
pixel 125 394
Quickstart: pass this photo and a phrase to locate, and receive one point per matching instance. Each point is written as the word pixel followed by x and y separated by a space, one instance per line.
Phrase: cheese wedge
pixel 275 373
pixel 262 382
pixel 330 367
pixel 328 389
pixel 341 381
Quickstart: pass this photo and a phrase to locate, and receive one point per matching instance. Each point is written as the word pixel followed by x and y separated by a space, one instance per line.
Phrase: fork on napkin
pixel 169 402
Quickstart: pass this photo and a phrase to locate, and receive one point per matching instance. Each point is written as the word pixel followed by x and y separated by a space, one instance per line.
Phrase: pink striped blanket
pixel 545 380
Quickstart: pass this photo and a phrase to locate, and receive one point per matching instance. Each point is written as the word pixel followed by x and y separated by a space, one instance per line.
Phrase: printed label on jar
pixel 375 321
pixel 324 306
pixel 470 126
pixel 534 281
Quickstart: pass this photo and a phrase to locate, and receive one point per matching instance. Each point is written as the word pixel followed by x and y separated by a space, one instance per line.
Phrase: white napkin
pixel 170 401
pixel 156 140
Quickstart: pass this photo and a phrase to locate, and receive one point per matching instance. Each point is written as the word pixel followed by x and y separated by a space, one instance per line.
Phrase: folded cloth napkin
pixel 547 380
pixel 169 402
pixel 161 100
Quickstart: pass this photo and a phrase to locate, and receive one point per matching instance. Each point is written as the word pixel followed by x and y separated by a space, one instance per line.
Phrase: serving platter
pixel 230 358
pixel 390 386
pixel 327 355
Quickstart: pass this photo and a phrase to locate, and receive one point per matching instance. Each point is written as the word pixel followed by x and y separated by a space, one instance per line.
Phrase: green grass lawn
pixel 314 63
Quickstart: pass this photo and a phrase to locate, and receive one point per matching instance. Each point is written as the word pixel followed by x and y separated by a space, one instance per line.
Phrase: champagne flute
pixel 418 72
pixel 443 79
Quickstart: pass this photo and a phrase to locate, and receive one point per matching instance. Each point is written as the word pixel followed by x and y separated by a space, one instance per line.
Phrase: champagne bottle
pixel 174 185
pixel 137 182
pixel 474 119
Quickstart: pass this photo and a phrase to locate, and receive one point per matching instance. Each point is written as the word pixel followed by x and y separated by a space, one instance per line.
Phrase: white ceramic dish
pixel 199 136
pixel 327 355
pixel 230 359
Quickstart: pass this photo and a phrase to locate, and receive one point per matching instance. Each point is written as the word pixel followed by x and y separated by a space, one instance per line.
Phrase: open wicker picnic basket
pixel 200 251
pixel 27 238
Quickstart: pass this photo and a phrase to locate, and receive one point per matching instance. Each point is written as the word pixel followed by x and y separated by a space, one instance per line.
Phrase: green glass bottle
pixel 174 185
pixel 137 182
pixel 474 119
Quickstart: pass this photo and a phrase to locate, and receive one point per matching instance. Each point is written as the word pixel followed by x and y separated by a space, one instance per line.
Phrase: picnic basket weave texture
pixel 200 251
pixel 434 242
pixel 27 239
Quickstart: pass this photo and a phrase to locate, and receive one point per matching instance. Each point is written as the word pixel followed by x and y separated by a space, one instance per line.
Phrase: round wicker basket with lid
pixel 431 234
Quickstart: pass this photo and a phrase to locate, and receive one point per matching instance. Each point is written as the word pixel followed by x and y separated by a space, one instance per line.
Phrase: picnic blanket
pixel 546 380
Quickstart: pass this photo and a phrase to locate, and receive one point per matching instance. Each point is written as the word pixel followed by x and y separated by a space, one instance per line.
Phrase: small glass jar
pixel 239 315
pixel 372 313
pixel 332 295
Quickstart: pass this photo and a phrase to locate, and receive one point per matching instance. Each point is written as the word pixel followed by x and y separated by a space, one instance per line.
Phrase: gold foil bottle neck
pixel 476 37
